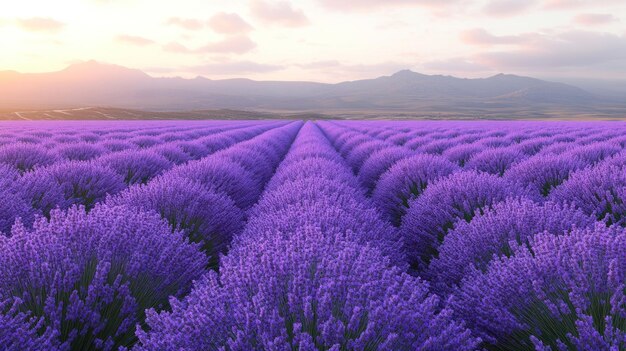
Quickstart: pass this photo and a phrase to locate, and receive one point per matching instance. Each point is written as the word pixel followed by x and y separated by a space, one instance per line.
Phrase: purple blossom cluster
pixel 318 235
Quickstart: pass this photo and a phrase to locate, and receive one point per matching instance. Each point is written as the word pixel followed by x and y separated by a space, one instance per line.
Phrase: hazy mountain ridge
pixel 95 84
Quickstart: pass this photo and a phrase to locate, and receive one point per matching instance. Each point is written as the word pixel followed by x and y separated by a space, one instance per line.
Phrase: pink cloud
pixel 455 64
pixel 232 45
pixel 481 37
pixel 573 49
pixel 366 5
pixel 504 8
pixel 134 40
pixel 593 19
pixel 321 64
pixel 186 23
pixel 40 24
pixel 568 4
pixel 280 13
pixel 574 53
pixel 239 44
pixel 229 23
pixel 177 48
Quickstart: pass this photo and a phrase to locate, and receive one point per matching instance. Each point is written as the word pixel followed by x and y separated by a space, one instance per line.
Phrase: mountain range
pixel 405 93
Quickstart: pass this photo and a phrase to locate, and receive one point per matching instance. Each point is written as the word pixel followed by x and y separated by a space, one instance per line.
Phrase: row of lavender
pixel 63 165
pixel 83 278
pixel 520 227
pixel 315 269
pixel 367 236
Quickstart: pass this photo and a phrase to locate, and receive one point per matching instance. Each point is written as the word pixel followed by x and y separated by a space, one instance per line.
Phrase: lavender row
pixel 309 272
pixel 39 149
pixel 208 199
pixel 492 150
pixel 67 183
pixel 527 255
pixel 83 280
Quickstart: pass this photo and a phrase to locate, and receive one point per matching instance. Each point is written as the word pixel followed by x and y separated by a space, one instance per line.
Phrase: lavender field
pixel 327 235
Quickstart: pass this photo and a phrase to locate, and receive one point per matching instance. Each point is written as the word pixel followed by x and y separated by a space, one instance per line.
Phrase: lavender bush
pixel 89 277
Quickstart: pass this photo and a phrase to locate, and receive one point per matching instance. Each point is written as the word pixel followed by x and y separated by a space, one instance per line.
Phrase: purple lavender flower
pixel 70 183
pixel 458 197
pixel 25 157
pixel 171 152
pixel 136 166
pixel 117 145
pixel 437 147
pixel 14 205
pixel 194 149
pixel 82 151
pixel 564 293
pixel 303 150
pixel 225 176
pixel 145 141
pixel 8 175
pixel 495 160
pixel 599 191
pixel 462 153
pixel 19 331
pixel 204 216
pixel 252 160
pixel 493 234
pixel 406 180
pixel 91 276
pixel 378 163
pixel 362 152
pixel 328 205
pixel 418 142
pixel 301 292
pixel 89 137
pixel 594 152
pixel 534 145
pixel 542 173
pixel 353 142
pixel 316 167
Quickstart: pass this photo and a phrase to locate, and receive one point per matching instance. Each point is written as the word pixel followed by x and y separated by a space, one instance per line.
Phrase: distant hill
pixel 92 84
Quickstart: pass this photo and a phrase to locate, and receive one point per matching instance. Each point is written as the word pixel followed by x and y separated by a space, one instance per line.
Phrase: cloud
pixel 279 13
pixel 455 64
pixel 239 44
pixel 228 23
pixel 573 49
pixel 481 37
pixel 573 53
pixel 40 24
pixel 134 40
pixel 369 5
pixel 235 45
pixel 320 64
pixel 594 19
pixel 504 8
pixel 233 68
pixel 186 23
pixel 177 48
pixel 570 4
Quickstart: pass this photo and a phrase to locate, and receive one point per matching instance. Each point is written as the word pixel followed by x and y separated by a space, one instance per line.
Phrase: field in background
pixel 120 114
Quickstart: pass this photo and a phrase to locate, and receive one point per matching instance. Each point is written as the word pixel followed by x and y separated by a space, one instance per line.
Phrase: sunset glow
pixel 319 40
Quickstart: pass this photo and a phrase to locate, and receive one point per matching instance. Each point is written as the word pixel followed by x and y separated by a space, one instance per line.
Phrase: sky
pixel 319 40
